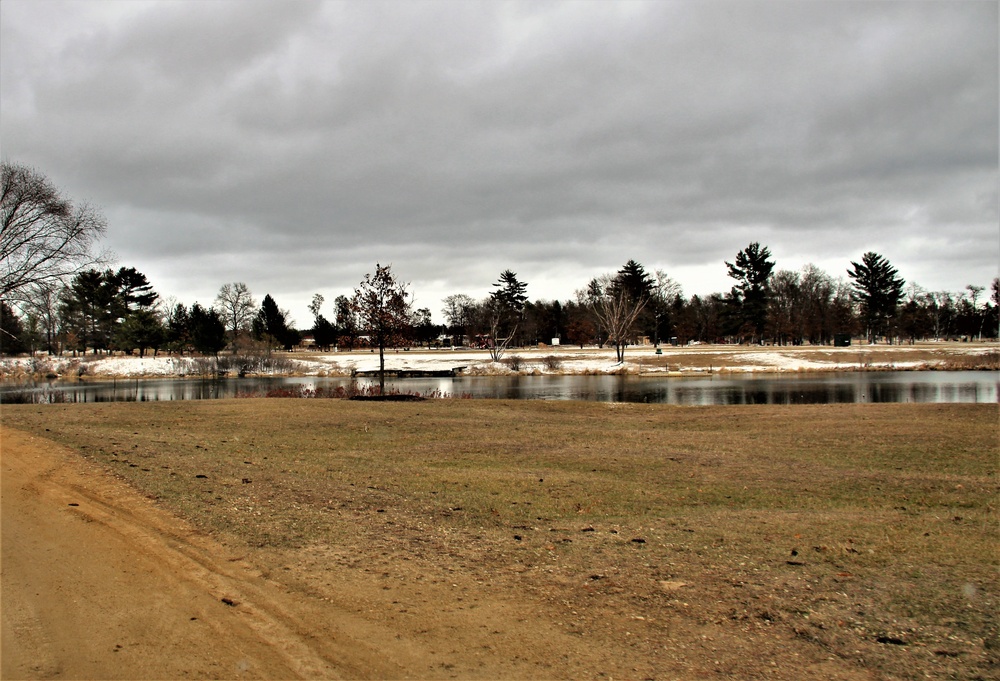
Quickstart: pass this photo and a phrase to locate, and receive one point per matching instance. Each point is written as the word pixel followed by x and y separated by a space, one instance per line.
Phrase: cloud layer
pixel 293 144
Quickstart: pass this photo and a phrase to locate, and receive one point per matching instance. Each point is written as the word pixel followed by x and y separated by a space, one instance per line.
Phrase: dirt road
pixel 99 583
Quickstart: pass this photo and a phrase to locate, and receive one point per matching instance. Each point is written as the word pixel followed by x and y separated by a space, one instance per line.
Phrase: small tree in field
pixel 382 306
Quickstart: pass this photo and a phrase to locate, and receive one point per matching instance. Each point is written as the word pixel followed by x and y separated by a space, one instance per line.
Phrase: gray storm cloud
pixel 294 144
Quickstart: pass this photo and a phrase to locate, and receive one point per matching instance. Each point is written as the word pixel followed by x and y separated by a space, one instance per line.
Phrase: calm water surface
pixel 854 387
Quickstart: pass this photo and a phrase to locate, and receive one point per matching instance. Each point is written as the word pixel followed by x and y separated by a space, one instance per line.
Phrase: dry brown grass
pixel 867 533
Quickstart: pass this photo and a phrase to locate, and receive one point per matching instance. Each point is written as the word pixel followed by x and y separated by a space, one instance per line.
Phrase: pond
pixel 819 388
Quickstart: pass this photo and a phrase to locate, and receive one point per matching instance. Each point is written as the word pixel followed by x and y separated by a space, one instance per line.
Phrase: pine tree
pixel 208 332
pixel 510 292
pixel 505 311
pixel 134 291
pixel 10 331
pixel 271 324
pixel 635 281
pixel 877 290
pixel 752 271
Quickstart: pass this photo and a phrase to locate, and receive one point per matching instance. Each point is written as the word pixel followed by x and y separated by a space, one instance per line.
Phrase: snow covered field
pixel 550 360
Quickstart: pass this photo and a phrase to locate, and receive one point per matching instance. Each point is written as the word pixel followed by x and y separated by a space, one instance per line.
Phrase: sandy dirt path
pixel 99 583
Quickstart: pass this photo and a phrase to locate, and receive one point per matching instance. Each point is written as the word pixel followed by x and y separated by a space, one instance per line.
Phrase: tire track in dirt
pixel 98 582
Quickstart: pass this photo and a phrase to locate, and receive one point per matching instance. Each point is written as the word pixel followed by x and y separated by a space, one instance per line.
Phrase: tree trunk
pixel 381 369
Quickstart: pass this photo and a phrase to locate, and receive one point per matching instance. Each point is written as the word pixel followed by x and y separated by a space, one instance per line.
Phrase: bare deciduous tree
pixel 44 238
pixel 616 310
pixel 974 293
pixel 666 288
pixel 43 304
pixel 382 306
pixel 458 310
pixel 236 307
pixel 317 304
pixel 501 331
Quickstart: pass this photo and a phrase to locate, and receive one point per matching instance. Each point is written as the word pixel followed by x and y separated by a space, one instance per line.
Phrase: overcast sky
pixel 292 145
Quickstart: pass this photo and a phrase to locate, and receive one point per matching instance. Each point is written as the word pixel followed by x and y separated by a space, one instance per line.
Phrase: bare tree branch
pixel 236 307
pixel 44 238
pixel 616 311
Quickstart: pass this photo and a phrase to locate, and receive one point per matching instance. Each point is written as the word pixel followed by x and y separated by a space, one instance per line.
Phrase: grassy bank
pixel 867 533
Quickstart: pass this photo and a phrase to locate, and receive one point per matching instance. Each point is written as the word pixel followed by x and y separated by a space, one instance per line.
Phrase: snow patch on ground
pixel 565 360
pixel 783 362
pixel 141 366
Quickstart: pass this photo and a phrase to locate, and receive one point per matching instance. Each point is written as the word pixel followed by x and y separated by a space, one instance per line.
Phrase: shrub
pixel 350 392
pixel 987 361
pixel 514 362
pixel 204 366
pixel 552 363
pixel 254 360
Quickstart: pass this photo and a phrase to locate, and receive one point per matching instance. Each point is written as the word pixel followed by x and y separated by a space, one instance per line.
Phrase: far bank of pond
pixel 799 388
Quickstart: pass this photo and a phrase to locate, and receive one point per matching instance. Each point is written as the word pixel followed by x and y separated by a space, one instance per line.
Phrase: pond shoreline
pixel 690 361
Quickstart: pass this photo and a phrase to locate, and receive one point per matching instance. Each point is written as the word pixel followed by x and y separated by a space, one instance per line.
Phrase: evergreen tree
pixel 324 333
pixel 141 329
pixel 178 328
pixel 97 303
pixel 88 309
pixel 134 292
pixel 208 332
pixel 510 293
pixel 271 325
pixel 11 331
pixel 505 311
pixel 877 290
pixel 423 327
pixel 752 272
pixel 635 281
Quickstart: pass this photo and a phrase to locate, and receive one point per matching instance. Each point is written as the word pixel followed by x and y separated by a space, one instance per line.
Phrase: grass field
pixel 867 534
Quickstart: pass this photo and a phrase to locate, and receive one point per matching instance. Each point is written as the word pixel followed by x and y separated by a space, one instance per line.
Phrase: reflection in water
pixel 827 388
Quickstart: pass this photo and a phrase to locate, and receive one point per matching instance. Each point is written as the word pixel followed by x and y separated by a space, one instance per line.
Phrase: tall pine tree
pixel 752 272
pixel 877 290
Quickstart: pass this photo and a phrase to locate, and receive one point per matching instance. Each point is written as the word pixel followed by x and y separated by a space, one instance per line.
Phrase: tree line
pixel 57 296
